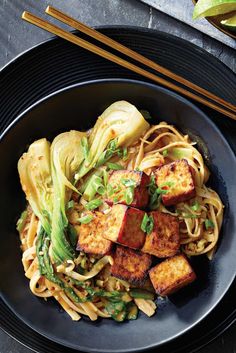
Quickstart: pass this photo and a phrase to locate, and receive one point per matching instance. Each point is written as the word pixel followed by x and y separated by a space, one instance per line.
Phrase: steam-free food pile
pixel 114 213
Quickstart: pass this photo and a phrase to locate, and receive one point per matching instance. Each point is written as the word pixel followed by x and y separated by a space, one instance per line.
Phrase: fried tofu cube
pixel 122 181
pixel 91 238
pixel 171 275
pixel 130 265
pixel 177 182
pixel 123 226
pixel 164 240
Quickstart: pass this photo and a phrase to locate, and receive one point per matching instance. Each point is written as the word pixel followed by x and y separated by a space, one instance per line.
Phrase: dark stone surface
pixel 17 36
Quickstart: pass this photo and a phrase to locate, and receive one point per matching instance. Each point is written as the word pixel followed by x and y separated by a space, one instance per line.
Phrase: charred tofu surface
pixel 91 238
pixel 128 187
pixel 123 226
pixel 177 181
pixel 164 240
pixel 171 275
pixel 130 265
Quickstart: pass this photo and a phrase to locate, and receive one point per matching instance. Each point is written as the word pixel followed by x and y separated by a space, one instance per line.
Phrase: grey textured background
pixel 17 36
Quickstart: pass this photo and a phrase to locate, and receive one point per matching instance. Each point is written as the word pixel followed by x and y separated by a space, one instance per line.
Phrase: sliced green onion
pixel 70 205
pixel 21 221
pixel 141 293
pixel 147 224
pixel 85 219
pixel 85 147
pixel 189 215
pixel 99 187
pixel 155 201
pixel 150 225
pixel 93 204
pixel 94 186
pixel 125 153
pixel 179 152
pixel 168 183
pixel 209 224
pixel 110 190
pixel 107 154
pixel 152 185
pixel 132 311
pixel 128 182
pixel 105 177
pixel 113 144
pixel 195 206
pixel 115 166
pixel 116 200
pixel 144 222
pixel 129 195
pixel 165 153
pixel 160 189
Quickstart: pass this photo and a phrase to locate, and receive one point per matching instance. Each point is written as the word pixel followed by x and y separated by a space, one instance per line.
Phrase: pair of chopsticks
pixel 216 102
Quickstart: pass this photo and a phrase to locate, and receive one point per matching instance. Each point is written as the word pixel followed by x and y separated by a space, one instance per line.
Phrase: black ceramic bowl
pixel 77 107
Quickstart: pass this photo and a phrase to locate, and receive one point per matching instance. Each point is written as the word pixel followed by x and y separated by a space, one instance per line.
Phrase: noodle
pixel 196 238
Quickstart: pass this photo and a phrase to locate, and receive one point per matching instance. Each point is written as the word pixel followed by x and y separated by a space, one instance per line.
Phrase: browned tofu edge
pixel 168 199
pixel 158 244
pixel 170 288
pixel 120 268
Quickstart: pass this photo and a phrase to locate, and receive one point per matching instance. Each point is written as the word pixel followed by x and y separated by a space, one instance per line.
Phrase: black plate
pixel 34 90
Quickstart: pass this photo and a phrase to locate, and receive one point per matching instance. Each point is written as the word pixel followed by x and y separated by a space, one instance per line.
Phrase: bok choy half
pixel 66 157
pixel 122 124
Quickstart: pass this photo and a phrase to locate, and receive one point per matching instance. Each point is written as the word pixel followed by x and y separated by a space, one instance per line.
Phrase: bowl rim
pixel 213 126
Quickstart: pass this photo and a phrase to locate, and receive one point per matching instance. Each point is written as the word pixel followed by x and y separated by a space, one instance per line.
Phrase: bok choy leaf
pixel 122 124
pixel 35 175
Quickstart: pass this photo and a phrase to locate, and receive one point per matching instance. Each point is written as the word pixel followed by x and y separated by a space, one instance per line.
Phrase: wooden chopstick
pixel 134 55
pixel 39 22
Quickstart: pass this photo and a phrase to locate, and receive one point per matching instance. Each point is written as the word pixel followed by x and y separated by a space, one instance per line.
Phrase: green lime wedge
pixel 205 8
pixel 230 23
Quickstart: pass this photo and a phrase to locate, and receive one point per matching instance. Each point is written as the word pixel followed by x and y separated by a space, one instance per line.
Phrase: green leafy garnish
pixel 209 224
pixel 165 153
pixel 115 166
pixel 85 219
pixel 93 204
pixel 147 224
